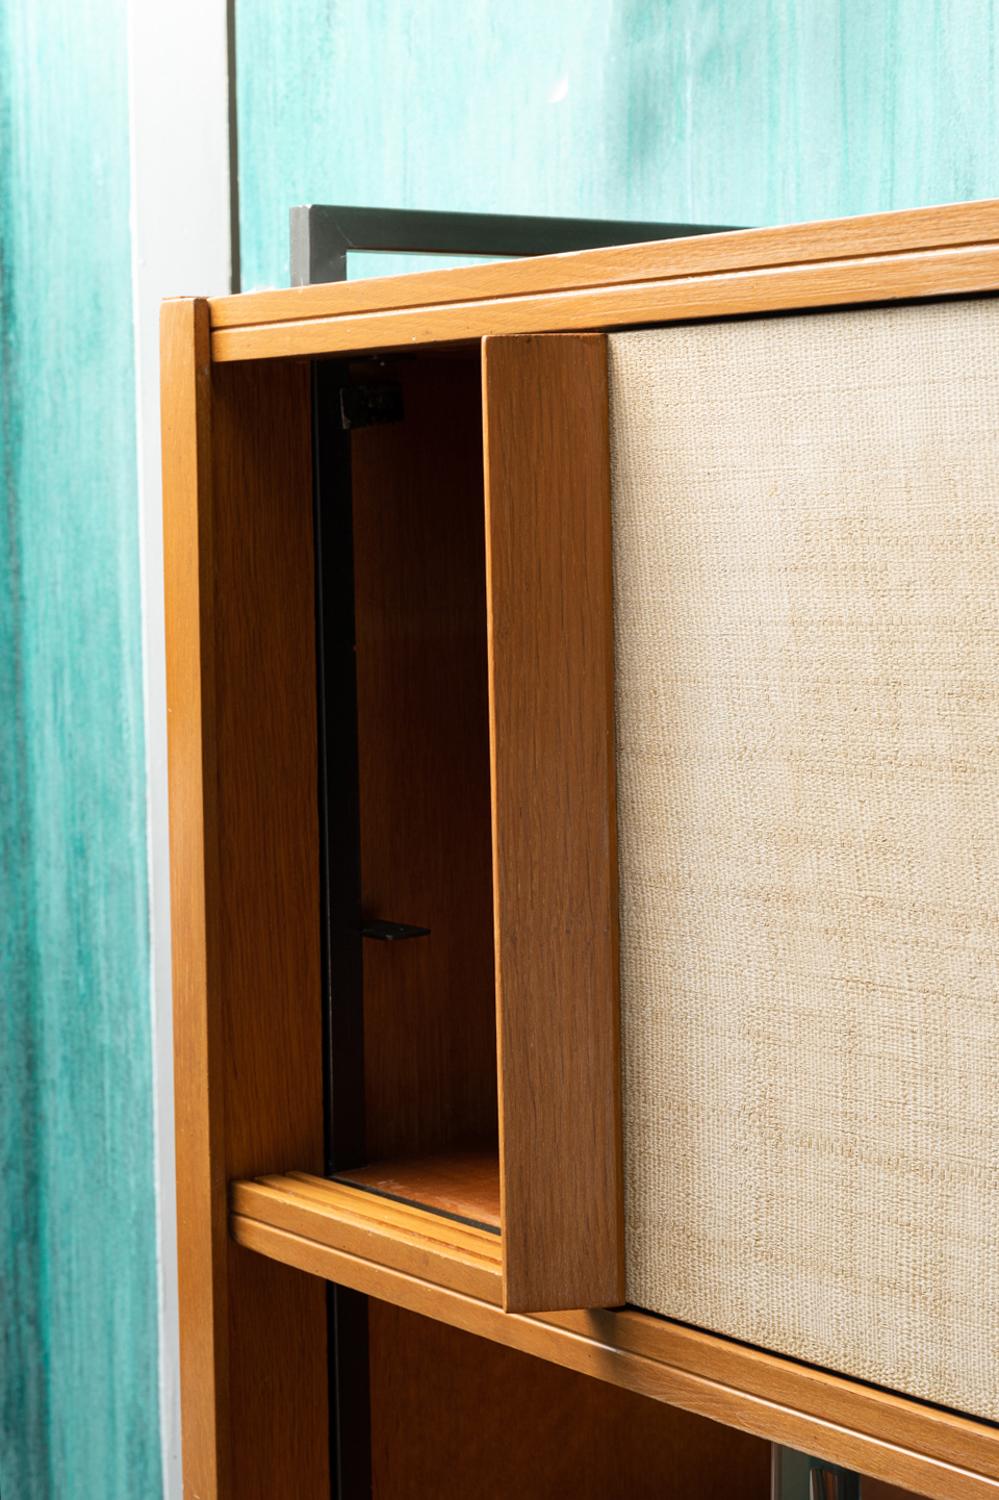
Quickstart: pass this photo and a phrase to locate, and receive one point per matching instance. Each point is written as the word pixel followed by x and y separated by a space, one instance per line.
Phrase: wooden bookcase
pixel 486 1196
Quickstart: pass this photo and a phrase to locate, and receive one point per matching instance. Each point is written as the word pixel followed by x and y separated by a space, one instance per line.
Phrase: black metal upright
pixel 324 234
pixel 339 792
pixel 340 904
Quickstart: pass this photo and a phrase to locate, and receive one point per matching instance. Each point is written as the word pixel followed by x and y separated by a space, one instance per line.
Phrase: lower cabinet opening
pixel 454 1416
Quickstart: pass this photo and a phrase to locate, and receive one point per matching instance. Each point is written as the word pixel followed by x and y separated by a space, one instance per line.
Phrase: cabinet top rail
pixel 944 250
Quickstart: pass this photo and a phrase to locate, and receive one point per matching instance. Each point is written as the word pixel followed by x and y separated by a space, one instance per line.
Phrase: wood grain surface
pixel 875 1442
pixel 463 1183
pixel 842 279
pixel 423 751
pixel 402 1237
pixel 423 1244
pixel 241 714
pixel 454 1416
pixel 266 747
pixel 548 573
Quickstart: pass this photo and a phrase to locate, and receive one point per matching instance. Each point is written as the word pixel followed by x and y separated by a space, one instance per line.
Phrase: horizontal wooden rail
pixel 932 1452
pixel 737 250
pixel 831 283
pixel 406 1238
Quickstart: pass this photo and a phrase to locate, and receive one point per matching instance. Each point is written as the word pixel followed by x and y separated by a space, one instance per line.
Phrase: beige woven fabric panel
pixel 806 548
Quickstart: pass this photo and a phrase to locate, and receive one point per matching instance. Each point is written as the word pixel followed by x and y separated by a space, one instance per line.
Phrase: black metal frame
pixel 323 234
pixel 321 238
pixel 340 902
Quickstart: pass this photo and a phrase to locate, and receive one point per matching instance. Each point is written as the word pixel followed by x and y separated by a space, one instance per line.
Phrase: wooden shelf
pixel 463 1185
pixel 362 1222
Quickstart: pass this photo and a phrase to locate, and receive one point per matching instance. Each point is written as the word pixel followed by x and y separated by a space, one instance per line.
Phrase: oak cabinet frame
pixel 259 1225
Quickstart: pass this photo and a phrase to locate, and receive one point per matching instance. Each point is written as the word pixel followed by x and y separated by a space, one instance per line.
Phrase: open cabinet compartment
pixel 467 742
pixel 411 1089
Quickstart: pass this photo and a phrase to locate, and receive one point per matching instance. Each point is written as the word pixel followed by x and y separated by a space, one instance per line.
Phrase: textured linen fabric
pixel 806 552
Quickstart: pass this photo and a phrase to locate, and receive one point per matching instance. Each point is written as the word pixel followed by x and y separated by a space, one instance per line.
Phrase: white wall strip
pixel 179 123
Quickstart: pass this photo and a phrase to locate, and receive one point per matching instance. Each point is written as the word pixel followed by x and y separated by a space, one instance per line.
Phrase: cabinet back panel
pixel 454 1416
pixel 423 745
pixel 806 540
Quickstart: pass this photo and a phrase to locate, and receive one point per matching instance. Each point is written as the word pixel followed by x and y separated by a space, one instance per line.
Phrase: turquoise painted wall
pixel 78 1344
pixel 718 111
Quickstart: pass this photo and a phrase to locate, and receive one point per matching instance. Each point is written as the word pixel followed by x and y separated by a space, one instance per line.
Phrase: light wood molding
pixel 837 283
pixel 548 592
pixel 736 250
pixel 423 1244
pixel 878 1446
pixel 198 1071
pixel 962 1441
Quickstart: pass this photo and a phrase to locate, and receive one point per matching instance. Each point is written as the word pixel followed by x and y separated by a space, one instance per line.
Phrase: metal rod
pixel 323 234
pixel 340 905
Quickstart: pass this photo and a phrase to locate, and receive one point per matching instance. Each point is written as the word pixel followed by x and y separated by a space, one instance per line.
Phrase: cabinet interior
pixel 453 1415
pixel 423 786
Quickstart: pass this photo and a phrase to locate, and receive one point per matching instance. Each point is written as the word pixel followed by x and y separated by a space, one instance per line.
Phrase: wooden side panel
pixel 267 768
pixel 548 570
pixel 188 547
pixel 243 830
pixel 268 914
pixel 454 1415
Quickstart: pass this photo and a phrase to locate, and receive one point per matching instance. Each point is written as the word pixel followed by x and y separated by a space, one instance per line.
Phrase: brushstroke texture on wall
pixel 78 1390
pixel 709 111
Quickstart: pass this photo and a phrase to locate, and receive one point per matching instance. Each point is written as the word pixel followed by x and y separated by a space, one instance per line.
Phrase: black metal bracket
pixel 392 932
pixel 323 234
pixel 370 405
